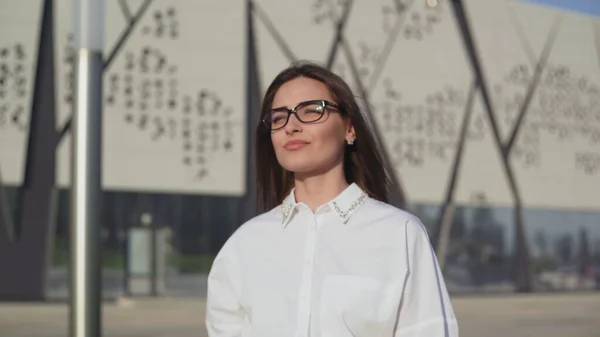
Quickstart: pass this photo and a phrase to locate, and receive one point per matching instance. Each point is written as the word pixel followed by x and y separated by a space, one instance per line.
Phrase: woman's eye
pixel 277 119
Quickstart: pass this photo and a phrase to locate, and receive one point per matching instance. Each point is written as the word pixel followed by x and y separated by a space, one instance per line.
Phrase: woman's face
pixel 312 148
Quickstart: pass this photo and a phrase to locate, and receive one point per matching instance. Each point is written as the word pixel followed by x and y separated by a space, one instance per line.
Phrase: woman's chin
pixel 299 164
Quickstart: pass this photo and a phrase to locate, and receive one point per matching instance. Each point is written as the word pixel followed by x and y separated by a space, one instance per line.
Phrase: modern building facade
pixel 487 109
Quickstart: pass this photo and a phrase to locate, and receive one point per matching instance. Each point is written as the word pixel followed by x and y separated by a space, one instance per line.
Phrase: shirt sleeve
pixel 425 309
pixel 225 316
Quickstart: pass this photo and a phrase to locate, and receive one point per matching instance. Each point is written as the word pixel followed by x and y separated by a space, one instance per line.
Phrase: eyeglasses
pixel 305 112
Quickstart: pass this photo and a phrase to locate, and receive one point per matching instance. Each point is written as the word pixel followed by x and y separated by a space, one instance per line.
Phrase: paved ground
pixel 573 315
pixel 551 315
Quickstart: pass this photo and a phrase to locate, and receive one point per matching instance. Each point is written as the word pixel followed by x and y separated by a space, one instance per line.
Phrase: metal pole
pixel 146 220
pixel 85 308
pixel 153 261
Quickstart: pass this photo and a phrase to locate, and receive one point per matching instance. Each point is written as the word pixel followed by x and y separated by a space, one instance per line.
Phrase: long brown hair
pixel 363 162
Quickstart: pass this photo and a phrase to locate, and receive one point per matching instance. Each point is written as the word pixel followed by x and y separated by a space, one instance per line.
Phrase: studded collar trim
pixel 343 206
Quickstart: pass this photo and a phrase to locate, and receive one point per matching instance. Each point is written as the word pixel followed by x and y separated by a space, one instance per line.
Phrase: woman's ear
pixel 350 132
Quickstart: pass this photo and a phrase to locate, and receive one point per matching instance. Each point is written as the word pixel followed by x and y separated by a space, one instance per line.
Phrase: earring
pixel 351 141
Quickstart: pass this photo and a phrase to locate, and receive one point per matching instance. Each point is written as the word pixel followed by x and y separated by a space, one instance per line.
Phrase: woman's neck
pixel 317 190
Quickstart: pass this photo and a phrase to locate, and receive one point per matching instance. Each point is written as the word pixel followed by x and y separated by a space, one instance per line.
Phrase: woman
pixel 329 256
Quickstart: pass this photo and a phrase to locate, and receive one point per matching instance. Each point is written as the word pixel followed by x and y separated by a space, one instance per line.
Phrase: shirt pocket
pixel 356 306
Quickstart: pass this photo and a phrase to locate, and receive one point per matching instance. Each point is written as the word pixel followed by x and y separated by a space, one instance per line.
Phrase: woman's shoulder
pixel 260 222
pixel 265 218
pixel 396 220
pixel 253 230
pixel 388 212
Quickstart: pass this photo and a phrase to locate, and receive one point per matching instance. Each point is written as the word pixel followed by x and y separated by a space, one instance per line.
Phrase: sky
pixel 590 7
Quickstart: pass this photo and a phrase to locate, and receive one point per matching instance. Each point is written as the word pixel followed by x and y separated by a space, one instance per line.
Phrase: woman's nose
pixel 293 124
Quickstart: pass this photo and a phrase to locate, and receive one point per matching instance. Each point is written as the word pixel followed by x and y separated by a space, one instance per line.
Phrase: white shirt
pixel 356 267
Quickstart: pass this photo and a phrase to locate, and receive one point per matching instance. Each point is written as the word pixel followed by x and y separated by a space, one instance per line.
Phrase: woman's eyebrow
pixel 304 101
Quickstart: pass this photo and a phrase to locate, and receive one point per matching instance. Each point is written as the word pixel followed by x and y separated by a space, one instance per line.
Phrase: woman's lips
pixel 295 145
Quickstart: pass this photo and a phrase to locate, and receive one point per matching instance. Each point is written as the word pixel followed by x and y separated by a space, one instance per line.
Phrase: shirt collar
pixel 343 206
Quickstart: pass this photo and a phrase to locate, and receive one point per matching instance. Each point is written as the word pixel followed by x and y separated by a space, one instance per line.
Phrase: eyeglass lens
pixel 306 113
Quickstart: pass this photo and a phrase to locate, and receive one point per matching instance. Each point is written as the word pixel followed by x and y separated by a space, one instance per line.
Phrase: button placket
pixel 307 275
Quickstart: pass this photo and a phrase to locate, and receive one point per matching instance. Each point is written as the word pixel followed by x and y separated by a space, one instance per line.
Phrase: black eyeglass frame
pixel 294 111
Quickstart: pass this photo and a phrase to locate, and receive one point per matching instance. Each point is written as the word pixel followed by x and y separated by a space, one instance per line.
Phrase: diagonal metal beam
pixel 125 9
pixel 388 47
pixel 444 222
pixel 525 44
pixel 113 53
pixel 126 33
pixel 533 85
pixel 523 274
pixel 471 49
pixel 25 248
pixel 264 18
pixel 339 29
pixel 399 198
